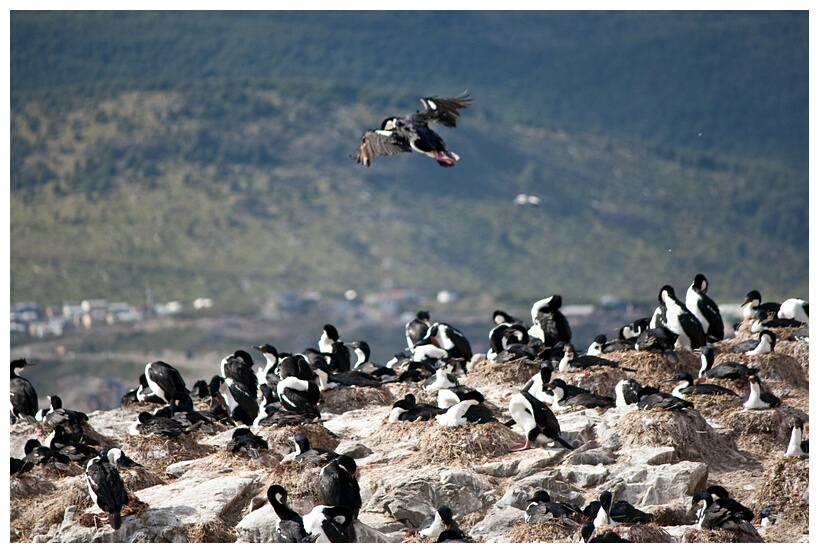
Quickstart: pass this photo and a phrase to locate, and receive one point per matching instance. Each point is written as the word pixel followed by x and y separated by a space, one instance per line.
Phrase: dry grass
pixel 345 398
pixel 694 535
pixel 692 438
pixel 211 532
pixel 465 445
pixel 511 373
pixel 157 452
pixel 783 487
pixel 551 531
pixel 280 438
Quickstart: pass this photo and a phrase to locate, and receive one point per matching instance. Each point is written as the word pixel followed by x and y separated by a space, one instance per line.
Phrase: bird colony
pixel 678 429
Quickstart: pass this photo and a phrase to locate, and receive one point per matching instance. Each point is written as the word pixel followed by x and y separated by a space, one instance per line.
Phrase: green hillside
pixel 209 154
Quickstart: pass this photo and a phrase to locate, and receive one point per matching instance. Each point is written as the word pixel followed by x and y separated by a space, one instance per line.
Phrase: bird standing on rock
pixel 23 396
pixel 411 133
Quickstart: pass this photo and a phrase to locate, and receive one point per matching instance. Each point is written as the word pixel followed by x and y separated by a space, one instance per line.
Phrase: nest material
pixel 694 535
pixel 280 438
pixel 140 478
pixel 510 373
pixel 550 531
pixel 647 533
pixel 465 445
pixel 783 487
pixel 155 453
pixel 692 438
pixel 346 398
pixel 215 531
pixel 761 431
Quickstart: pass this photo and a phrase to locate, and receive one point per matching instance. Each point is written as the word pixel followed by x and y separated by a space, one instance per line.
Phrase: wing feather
pixel 379 143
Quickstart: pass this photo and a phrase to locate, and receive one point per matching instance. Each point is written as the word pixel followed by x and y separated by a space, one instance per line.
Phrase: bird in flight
pixel 411 133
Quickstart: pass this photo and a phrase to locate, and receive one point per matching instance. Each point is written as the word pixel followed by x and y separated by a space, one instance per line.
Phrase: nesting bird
pixel 411 133
pixel 105 486
pixel 539 423
pixel 705 309
pixel 758 399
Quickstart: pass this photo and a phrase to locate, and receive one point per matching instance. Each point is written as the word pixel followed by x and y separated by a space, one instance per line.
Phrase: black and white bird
pixel 269 372
pixel 548 323
pixel 441 520
pixel 628 391
pixel 416 328
pixel 705 309
pixel 338 484
pixel 762 345
pixel 633 329
pixel 568 397
pixel 408 409
pixel 658 340
pixel 686 387
pixel 450 339
pixel 663 401
pixel 364 364
pixel 730 370
pixel 539 423
pixel 149 425
pixel 443 378
pixel 23 396
pixel 621 511
pixel 601 345
pixel 411 133
pixel 76 446
pixel 164 380
pixel 240 387
pixel 541 508
pixel 38 454
pixel 572 360
pixel 291 525
pixel 323 524
pixel 722 512
pixel 680 321
pixel 245 441
pixel 797 447
pixel 794 308
pixel 106 488
pixel 303 453
pixel 753 308
pixel 57 415
pixel 299 396
pixel 759 399
pixel 470 410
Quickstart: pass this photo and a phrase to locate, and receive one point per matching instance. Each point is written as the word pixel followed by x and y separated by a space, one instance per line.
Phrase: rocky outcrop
pixel 190 489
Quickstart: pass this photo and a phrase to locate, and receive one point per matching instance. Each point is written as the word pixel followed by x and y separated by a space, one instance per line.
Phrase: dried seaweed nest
pixel 551 531
pixel 223 461
pixel 49 508
pixel 511 373
pixel 647 533
pixel 652 368
pixel 214 531
pixel 280 438
pixel 140 478
pixel 777 368
pixel 798 349
pixel 695 535
pixel 465 444
pixel 743 332
pixel 157 452
pixel 762 430
pixel 346 398
pixel 401 431
pixel 299 479
pixel 784 486
pixel 692 438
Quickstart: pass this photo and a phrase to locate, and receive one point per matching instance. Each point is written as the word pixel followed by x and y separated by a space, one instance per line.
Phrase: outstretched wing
pixel 380 143
pixel 445 110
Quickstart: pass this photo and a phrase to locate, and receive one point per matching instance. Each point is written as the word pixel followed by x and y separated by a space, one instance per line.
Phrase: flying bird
pixel 411 133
